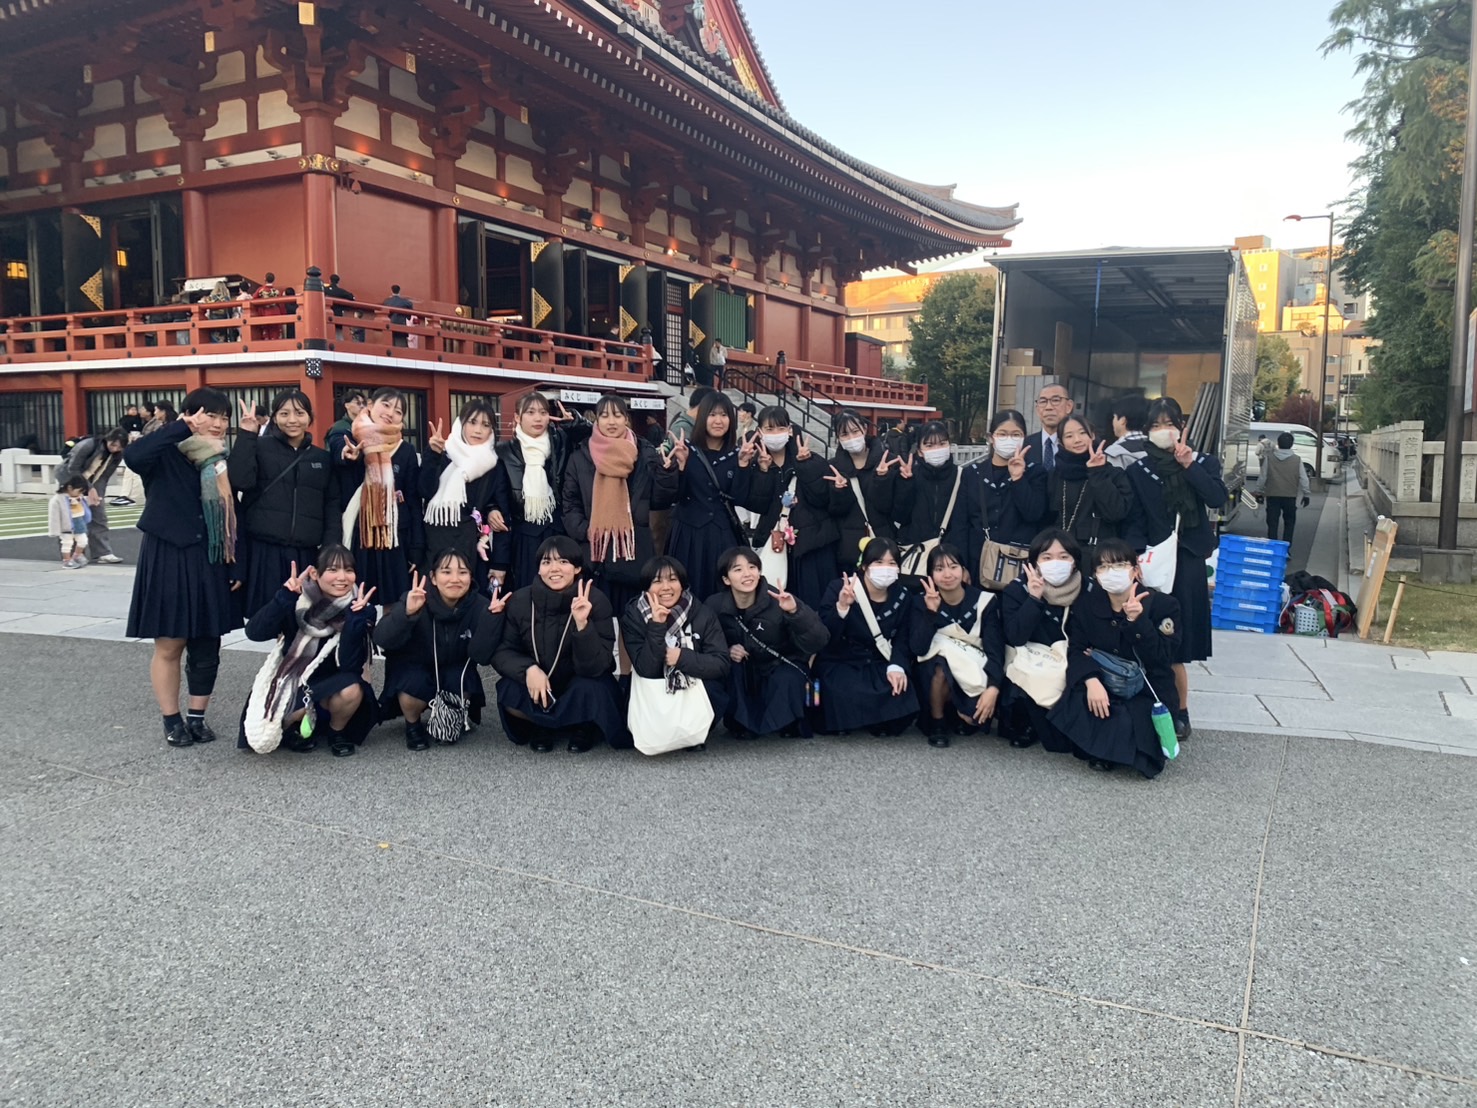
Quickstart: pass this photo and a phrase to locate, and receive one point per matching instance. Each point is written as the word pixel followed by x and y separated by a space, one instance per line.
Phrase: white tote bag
pixel 1157 563
pixel 1039 670
pixel 662 721
pixel 775 564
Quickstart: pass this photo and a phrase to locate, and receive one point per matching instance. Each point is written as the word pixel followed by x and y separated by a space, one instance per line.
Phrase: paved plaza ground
pixel 1279 920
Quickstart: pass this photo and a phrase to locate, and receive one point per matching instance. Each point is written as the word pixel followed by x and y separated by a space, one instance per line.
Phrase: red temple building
pixel 573 194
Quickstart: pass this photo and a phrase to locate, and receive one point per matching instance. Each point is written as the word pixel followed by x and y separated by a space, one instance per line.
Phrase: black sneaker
pixel 179 735
pixel 200 731
pixel 416 737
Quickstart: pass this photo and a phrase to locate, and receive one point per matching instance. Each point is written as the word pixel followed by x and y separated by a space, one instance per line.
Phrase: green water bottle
pixel 1164 727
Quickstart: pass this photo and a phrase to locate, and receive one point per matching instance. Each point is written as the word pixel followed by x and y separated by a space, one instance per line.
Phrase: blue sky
pixel 1135 123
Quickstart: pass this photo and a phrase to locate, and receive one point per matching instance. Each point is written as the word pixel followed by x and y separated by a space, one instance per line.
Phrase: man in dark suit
pixel 395 300
pixel 1052 406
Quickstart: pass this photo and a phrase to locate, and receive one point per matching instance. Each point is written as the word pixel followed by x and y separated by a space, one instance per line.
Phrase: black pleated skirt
pixel 1126 738
pixel 765 705
pixel 856 696
pixel 585 701
pixel 524 566
pixel 698 549
pixel 179 594
pixel 1192 590
pixel 811 574
pixel 386 571
pixel 264 566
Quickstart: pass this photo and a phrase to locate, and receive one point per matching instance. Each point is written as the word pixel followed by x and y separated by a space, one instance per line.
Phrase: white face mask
pixel 882 576
pixel 774 442
pixel 1164 437
pixel 1057 573
pixel 936 455
pixel 1115 580
pixel 1008 448
pixel 857 445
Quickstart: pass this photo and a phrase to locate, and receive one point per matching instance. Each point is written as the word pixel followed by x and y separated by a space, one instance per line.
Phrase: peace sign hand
pixel 680 450
pixel 1183 454
pixel 884 465
pixel 1035 583
pixel 837 479
pixel 802 448
pixel 659 611
pixel 748 449
pixel 905 467
pixel 362 593
pixel 848 595
pixel 437 442
pixel 1098 455
pixel 581 607
pixel 1133 607
pixel 499 599
pixel 1017 464
pixel 249 422
pixel 351 450
pixel 786 601
pixel 415 599
pixel 294 582
pixel 932 598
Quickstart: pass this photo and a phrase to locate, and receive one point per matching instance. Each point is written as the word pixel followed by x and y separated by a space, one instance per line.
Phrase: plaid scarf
pixel 612 528
pixel 216 501
pixel 379 517
pixel 679 634
pixel 281 683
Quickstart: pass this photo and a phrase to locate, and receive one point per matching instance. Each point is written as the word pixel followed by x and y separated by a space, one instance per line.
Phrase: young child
pixel 68 518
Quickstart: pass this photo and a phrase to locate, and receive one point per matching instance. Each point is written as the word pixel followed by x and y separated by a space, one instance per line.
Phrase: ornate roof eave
pixel 687 63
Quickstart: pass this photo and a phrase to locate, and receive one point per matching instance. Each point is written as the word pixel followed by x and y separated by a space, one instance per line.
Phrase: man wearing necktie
pixel 1052 406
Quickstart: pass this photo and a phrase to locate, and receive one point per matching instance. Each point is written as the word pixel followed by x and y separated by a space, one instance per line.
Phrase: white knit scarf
pixel 538 495
pixel 466 463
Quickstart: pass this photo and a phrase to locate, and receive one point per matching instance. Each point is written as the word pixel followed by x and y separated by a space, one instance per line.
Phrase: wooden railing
pixel 281 323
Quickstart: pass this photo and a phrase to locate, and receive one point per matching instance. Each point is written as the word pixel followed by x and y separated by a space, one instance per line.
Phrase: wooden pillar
pixel 446 277
pixel 320 203
pixel 838 322
pixel 440 406
pixel 804 337
pixel 761 301
pixel 192 203
pixel 74 406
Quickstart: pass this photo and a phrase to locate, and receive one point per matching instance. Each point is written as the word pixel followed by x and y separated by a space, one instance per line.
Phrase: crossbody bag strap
pixel 764 646
pixel 301 454
pixel 953 497
pixel 864 604
pixel 723 498
pixel 861 502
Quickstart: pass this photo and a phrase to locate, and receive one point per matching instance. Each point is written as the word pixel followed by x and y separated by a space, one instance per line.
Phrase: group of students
pixel 796 592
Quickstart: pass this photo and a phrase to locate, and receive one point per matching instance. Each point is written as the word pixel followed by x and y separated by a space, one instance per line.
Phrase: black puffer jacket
pixel 288 497
pixel 819 505
pixel 794 635
pixel 646 644
pixel 587 653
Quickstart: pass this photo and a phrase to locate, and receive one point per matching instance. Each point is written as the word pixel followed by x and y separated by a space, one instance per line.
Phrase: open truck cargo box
pixel 1180 323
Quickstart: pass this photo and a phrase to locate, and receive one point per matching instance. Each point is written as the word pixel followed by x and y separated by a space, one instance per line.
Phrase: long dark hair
pixel 700 421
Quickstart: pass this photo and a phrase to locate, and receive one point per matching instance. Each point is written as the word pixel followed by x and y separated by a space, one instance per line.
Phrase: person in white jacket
pixel 67 517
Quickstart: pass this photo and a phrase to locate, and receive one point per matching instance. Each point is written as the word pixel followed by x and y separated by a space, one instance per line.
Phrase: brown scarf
pixel 612 528
pixel 1063 595
pixel 379 522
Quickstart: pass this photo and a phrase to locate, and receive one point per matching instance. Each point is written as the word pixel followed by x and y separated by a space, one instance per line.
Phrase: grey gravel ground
pixel 834 922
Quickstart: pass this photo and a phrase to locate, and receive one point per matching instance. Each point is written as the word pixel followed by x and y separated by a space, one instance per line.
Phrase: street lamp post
pixel 1323 362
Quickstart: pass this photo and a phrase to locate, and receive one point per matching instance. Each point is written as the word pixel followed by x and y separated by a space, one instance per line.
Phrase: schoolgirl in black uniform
pixel 1034 609
pixel 667 631
pixel 535 458
pixel 1116 616
pixel 874 468
pixel 1086 495
pixel 1173 483
pixel 927 482
pixel 1007 501
pixel 557 657
pixel 961 664
pixel 710 481
pixel 864 676
pixel 800 501
pixel 290 506
pixel 461 480
pixel 771 637
pixel 379 481
pixel 182 589
pixel 434 640
pixel 322 620
pixel 612 484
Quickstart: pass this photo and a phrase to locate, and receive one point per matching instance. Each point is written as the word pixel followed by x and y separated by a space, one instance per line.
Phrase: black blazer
pixel 920 503
pixel 172 511
pixel 1010 511
pixel 819 505
pixel 1150 520
pixel 484 494
pixel 877 492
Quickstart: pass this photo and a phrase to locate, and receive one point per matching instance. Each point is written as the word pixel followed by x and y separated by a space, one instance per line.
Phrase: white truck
pixel 1177 322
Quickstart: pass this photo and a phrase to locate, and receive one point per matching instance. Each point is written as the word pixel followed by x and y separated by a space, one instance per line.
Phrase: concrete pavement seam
pixel 1268 710
pixel 1256 919
pixel 123 787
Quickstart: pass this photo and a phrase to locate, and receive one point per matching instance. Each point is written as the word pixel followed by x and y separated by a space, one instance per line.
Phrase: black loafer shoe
pixel 543 746
pixel 179 735
pixel 200 732
pixel 576 747
pixel 416 737
pixel 938 739
pixel 1020 742
pixel 1100 766
pixel 1182 728
pixel 342 750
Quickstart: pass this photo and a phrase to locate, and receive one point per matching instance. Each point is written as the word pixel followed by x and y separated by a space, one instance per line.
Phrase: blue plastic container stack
pixel 1248 584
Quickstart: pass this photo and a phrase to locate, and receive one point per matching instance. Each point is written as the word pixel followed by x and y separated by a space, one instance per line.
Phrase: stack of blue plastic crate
pixel 1248 584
